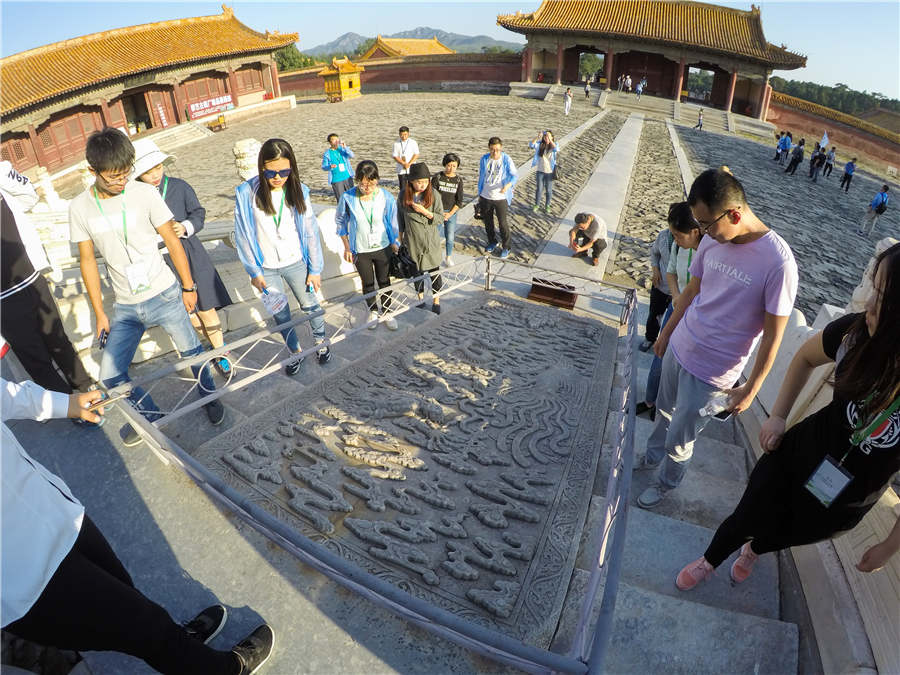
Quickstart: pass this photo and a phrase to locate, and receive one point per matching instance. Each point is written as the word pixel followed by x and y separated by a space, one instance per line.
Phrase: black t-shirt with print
pixel 451 190
pixel 828 431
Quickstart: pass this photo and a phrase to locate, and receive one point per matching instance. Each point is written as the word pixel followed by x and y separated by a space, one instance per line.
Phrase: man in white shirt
pixel 61 584
pixel 122 221
pixel 406 153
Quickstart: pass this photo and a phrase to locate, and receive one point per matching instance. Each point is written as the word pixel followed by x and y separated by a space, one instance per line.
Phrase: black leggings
pixel 845 180
pixel 436 282
pixel 792 167
pixel 375 266
pixel 489 207
pixel 776 512
pixel 827 170
pixel 90 603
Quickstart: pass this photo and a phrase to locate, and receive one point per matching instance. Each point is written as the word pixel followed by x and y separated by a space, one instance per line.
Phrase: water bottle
pixel 717 404
pixel 275 301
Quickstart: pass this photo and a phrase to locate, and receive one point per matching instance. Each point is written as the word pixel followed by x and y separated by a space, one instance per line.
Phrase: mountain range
pixel 348 42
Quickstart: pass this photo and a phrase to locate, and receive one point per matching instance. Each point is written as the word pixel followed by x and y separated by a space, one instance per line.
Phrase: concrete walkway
pixel 604 194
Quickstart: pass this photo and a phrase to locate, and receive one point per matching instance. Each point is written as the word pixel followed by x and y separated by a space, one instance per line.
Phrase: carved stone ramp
pixel 719 627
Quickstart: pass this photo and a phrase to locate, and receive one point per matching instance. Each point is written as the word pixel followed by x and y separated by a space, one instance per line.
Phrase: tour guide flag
pixel 824 142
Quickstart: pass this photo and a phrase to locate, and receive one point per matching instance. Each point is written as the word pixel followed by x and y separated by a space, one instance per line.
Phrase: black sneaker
pixel 255 649
pixel 436 308
pixel 216 413
pixel 294 366
pixel 324 355
pixel 646 345
pixel 207 624
pixel 131 437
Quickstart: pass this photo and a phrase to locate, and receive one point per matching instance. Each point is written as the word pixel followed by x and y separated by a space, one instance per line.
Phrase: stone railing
pixel 836 115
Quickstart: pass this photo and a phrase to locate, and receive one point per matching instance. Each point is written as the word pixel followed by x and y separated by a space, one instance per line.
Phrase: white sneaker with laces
pixel 391 323
pixel 449 261
pixel 372 321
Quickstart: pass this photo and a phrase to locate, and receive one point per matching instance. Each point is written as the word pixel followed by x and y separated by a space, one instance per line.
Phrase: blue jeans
pixel 128 325
pixel 543 183
pixel 656 367
pixel 449 232
pixel 295 277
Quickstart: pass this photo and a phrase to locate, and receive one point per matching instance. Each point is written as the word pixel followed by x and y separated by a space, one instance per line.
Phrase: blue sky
pixel 857 43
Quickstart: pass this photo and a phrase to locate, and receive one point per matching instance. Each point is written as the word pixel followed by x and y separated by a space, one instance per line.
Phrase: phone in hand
pixel 104 336
pixel 107 400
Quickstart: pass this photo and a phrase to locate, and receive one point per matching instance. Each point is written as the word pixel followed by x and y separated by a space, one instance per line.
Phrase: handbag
pixel 401 265
pixel 477 211
pixel 556 171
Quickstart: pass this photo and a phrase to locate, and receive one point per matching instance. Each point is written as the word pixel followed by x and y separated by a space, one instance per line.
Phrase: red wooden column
pixel 559 63
pixel 276 85
pixel 761 101
pixel 731 85
pixel 104 113
pixel 38 146
pixel 526 64
pixel 765 112
pixel 178 94
pixel 232 86
pixel 608 67
pixel 679 81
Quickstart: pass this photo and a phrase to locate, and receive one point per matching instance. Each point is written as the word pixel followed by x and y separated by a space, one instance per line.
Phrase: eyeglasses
pixel 120 177
pixel 269 174
pixel 704 227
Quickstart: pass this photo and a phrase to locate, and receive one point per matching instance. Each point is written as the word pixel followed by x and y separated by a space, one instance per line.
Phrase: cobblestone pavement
pixel 529 229
pixel 655 183
pixel 440 123
pixel 817 220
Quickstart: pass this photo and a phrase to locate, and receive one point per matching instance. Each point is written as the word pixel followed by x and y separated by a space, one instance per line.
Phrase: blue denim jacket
pixel 345 218
pixel 537 148
pixel 248 243
pixel 509 173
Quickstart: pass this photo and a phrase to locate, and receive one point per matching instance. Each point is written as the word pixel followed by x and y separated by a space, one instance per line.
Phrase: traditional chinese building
pixel 659 40
pixel 140 78
pixel 386 48
pixel 342 80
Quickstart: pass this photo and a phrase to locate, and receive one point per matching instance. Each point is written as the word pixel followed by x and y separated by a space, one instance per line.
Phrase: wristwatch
pixel 189 290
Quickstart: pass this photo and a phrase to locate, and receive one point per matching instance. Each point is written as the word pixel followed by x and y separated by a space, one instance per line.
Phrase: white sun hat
pixel 146 156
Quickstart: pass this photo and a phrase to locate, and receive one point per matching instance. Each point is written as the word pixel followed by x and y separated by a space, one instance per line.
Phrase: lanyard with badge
pixel 136 272
pixel 373 240
pixel 830 479
pixel 337 158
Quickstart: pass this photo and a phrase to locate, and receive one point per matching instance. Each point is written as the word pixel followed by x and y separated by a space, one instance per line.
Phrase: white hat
pixel 146 156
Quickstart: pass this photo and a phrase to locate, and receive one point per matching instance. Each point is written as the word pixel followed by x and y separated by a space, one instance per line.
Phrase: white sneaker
pixel 372 321
pixel 449 261
pixel 391 323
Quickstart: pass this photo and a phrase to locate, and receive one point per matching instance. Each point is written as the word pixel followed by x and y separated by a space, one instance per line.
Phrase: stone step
pixel 655 633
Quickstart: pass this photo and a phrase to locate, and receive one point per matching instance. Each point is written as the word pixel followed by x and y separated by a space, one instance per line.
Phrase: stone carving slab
pixel 458 464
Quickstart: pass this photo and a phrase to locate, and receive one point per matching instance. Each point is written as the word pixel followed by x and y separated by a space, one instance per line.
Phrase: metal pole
pixel 487 274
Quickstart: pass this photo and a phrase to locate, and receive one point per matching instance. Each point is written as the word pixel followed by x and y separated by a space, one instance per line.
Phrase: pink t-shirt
pixel 740 284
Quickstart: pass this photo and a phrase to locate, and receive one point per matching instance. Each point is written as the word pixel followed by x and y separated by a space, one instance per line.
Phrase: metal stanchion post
pixel 487 274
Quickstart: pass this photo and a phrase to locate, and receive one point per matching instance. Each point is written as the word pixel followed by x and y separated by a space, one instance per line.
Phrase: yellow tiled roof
pixel 407 47
pixel 38 74
pixel 340 66
pixel 672 22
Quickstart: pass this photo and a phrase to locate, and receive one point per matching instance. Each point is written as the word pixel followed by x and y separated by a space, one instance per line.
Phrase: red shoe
pixel 743 566
pixel 693 574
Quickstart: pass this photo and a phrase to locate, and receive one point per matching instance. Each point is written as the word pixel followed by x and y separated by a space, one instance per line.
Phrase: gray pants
pixel 678 421
pixel 868 222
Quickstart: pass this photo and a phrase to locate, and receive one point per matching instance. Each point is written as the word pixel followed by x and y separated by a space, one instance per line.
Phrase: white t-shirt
pixel 140 259
pixel 544 162
pixel 370 236
pixel 280 246
pixel 493 180
pixel 405 150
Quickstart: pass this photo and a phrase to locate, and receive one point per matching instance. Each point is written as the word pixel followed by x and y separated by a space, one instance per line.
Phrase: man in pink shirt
pixel 743 284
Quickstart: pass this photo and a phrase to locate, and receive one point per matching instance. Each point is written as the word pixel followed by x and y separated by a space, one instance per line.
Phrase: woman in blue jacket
pixel 545 151
pixel 367 224
pixel 277 239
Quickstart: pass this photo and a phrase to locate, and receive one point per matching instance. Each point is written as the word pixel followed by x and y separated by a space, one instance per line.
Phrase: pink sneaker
pixel 693 574
pixel 743 566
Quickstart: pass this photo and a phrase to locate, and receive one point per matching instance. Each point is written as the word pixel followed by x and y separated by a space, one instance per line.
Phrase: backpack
pixel 882 207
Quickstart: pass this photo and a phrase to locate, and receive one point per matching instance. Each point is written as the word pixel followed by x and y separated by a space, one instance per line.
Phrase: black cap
pixel 419 170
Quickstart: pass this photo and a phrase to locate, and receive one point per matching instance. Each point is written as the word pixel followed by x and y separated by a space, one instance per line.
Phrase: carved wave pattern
pixel 457 465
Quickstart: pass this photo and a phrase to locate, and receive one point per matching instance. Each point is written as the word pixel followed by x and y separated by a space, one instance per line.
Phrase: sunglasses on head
pixel 284 173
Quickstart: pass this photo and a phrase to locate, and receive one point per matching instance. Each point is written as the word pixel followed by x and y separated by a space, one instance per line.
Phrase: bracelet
pixel 189 290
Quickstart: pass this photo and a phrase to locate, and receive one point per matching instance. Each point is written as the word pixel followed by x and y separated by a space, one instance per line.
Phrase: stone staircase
pixel 649 105
pixel 719 627
pixel 174 137
pixel 713 119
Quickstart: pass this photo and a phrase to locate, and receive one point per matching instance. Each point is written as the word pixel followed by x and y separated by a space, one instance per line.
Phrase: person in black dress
pixel 823 475
pixel 189 218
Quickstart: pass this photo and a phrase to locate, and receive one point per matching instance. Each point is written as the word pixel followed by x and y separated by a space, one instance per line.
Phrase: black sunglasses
pixel 284 173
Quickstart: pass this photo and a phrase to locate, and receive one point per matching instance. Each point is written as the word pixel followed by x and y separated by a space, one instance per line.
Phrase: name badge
pixel 341 168
pixel 828 481
pixel 138 277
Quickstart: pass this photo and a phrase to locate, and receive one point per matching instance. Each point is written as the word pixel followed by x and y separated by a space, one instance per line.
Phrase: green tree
pixel 497 49
pixel 364 46
pixel 588 65
pixel 290 58
pixel 839 97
